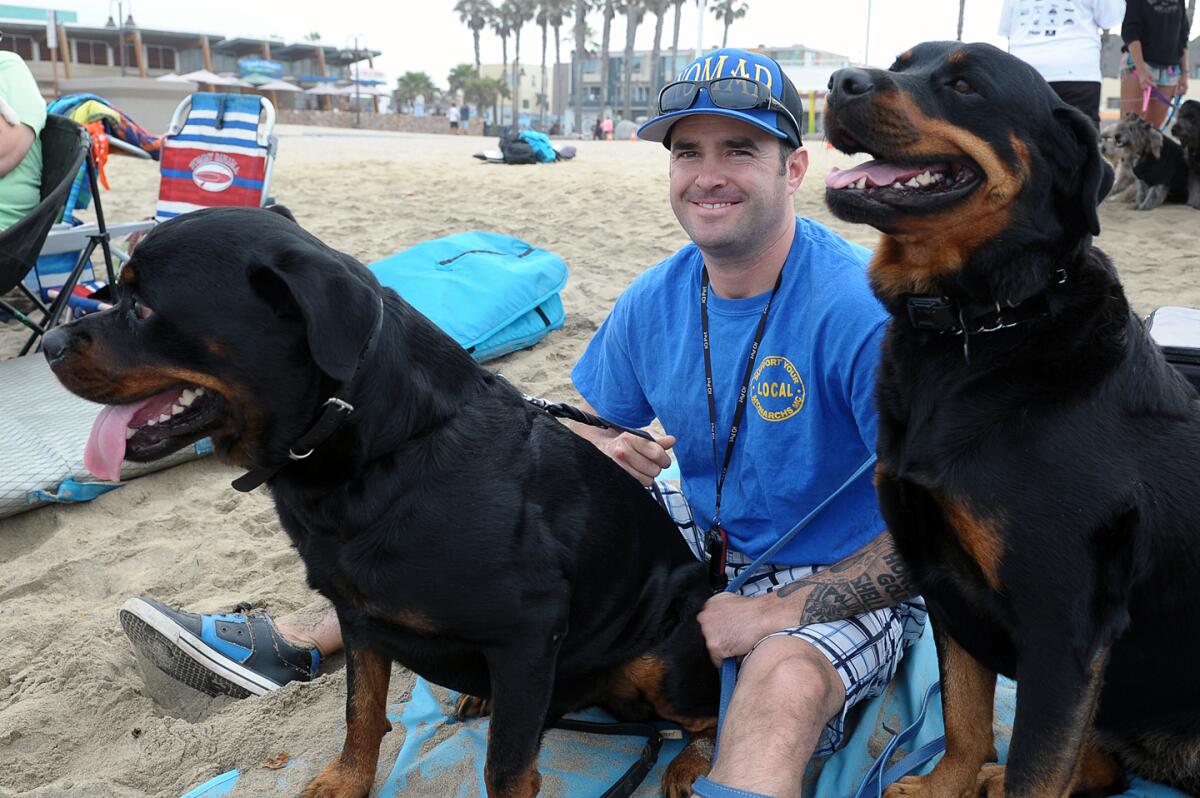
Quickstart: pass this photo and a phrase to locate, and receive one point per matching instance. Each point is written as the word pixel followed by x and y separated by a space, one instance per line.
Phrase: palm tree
pixel 635 12
pixel 962 5
pixel 499 21
pixel 458 77
pixel 581 9
pixel 550 13
pixel 520 12
pixel 659 9
pixel 412 84
pixel 726 11
pixel 675 36
pixel 605 40
pixel 475 15
pixel 484 92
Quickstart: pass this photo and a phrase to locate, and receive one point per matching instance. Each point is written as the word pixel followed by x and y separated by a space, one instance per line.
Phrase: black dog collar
pixel 936 313
pixel 335 410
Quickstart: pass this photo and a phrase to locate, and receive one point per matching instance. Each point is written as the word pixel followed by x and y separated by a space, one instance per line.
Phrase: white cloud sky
pixel 426 35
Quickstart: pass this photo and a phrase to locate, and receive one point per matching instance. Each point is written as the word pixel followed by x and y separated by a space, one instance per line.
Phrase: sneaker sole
pixel 186 658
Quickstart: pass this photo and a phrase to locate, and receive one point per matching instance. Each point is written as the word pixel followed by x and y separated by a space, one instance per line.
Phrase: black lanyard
pixel 741 401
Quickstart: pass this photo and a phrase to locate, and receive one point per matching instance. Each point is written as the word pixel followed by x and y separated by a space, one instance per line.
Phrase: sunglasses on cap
pixel 732 94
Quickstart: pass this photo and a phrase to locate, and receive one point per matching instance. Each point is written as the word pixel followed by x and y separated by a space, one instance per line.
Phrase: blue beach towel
pixel 491 292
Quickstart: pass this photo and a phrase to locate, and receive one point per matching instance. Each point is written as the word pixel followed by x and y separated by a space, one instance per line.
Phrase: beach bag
pixel 543 150
pixel 1177 333
pixel 516 149
pixel 492 293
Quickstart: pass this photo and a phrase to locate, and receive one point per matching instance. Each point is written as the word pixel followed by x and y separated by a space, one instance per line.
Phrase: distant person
pixel 598 129
pixel 464 115
pixel 556 128
pixel 606 128
pixel 452 116
pixel 1063 44
pixel 1155 33
pixel 22 117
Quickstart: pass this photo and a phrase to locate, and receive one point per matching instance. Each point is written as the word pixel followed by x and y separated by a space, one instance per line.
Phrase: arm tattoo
pixel 872 578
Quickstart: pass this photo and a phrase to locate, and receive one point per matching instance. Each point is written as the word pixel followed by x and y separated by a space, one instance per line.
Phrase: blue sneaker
pixel 238 654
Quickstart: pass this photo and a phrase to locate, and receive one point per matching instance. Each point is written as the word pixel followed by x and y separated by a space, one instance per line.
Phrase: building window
pixel 21 45
pixel 90 52
pixel 525 105
pixel 160 57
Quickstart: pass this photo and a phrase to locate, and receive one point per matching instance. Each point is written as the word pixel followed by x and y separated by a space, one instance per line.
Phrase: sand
pixel 77 716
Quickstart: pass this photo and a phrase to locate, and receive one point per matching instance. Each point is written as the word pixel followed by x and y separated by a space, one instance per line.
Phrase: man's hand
pixel 644 459
pixel 732 624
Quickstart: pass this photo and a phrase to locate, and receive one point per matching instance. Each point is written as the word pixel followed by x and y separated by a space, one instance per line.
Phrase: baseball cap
pixel 731 63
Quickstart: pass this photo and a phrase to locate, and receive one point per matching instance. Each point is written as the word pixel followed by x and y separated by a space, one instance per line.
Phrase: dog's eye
pixel 141 311
pixel 962 87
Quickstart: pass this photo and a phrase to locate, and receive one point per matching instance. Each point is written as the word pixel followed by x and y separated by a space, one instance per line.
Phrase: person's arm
pixel 1108 13
pixel 872 578
pixel 644 459
pixel 1131 34
pixel 15 141
pixel 1183 72
pixel 1139 65
pixel 1005 26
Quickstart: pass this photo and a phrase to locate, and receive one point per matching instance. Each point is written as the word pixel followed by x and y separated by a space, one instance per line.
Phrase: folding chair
pixel 219 151
pixel 65 148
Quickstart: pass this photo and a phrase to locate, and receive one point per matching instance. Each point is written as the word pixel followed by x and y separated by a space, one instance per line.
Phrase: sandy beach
pixel 77 716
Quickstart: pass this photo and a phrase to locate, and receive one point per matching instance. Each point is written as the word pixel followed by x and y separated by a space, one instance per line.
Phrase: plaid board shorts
pixel 864 650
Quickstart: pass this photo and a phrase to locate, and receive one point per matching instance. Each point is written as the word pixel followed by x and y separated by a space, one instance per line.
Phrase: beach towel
pixel 543 150
pixel 492 293
pixel 43 431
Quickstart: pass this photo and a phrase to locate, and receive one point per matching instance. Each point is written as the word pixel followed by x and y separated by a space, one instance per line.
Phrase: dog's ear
pixel 1088 177
pixel 335 296
pixel 1156 142
pixel 282 211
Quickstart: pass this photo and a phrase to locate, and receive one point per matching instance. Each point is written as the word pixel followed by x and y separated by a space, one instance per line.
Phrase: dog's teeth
pixel 199 392
pixel 923 179
pixel 129 433
pixel 176 410
pixel 912 183
pixel 860 183
pixel 152 422
pixel 187 397
pixel 897 184
pixel 938 176
pixel 164 417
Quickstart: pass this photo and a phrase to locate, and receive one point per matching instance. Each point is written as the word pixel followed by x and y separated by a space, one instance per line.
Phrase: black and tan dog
pixel 1038 458
pixel 456 529
pixel 1158 162
pixel 1187 130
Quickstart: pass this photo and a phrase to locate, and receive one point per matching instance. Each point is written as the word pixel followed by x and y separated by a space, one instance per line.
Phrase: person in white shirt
pixel 452 115
pixel 1061 40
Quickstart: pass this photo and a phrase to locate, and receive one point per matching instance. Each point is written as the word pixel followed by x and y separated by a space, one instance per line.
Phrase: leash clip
pixel 340 404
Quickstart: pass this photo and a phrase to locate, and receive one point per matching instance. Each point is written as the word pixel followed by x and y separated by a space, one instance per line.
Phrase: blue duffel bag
pixel 492 293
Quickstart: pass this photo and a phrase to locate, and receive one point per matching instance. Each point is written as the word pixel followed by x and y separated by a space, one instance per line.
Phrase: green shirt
pixel 21 189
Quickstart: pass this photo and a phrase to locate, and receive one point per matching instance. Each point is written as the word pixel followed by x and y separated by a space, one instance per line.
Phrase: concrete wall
pixel 400 122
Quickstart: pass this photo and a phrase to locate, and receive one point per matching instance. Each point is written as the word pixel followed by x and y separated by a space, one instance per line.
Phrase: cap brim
pixel 658 128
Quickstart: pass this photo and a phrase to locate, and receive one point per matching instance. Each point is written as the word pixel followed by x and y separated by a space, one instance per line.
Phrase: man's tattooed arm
pixel 871 578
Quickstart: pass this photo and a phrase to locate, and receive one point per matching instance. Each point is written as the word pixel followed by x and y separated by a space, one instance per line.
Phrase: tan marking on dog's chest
pixel 979 536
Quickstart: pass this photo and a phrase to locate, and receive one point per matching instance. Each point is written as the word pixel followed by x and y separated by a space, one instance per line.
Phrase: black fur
pixel 456 529
pixel 1067 436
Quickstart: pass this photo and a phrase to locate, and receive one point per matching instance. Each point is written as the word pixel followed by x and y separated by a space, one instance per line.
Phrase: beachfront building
pixel 808 68
pixel 120 61
pixel 533 96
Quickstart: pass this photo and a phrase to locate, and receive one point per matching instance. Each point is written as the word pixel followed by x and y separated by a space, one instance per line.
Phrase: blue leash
pixel 729 666
pixel 878 777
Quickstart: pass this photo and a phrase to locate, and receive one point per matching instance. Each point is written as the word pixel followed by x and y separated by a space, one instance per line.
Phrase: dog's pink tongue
pixel 877 173
pixel 106 445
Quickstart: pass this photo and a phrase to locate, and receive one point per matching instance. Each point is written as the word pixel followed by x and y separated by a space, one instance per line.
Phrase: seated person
pixel 22 117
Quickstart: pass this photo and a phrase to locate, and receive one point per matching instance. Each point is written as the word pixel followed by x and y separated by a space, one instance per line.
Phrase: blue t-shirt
pixel 810 418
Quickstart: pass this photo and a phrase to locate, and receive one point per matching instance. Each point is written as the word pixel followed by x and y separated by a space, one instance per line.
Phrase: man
pixel 823 626
pixel 22 117
pixel 464 114
pixel 1063 44
pixel 452 116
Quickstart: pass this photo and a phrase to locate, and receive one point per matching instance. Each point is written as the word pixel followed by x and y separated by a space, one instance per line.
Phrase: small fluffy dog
pixel 1187 130
pixel 1125 183
pixel 1158 162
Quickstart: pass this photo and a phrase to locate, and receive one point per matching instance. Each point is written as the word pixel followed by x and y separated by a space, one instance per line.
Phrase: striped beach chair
pixel 218 152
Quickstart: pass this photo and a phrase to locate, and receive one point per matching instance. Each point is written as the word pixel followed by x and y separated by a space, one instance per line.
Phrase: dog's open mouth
pixel 914 185
pixel 151 428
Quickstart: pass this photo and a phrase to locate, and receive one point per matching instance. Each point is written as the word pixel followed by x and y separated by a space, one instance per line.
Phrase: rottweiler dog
pixel 1038 457
pixel 456 529
pixel 1187 129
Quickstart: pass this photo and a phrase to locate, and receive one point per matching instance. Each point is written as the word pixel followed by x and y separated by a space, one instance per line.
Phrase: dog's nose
pixel 851 82
pixel 55 344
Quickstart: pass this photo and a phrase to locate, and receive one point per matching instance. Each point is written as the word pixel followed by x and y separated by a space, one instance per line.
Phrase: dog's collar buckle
pixel 932 312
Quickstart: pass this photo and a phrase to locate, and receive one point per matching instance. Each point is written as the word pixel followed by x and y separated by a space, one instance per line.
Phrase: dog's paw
pixel 693 762
pixel 339 781
pixel 472 706
pixel 990 782
pixel 927 787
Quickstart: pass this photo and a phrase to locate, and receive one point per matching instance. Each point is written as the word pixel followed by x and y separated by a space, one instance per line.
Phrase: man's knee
pixel 794 677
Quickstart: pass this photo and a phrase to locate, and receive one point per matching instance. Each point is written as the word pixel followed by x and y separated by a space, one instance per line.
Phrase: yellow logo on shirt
pixel 776 389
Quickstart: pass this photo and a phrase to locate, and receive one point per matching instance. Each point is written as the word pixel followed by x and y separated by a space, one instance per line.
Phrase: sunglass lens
pixel 737 94
pixel 677 97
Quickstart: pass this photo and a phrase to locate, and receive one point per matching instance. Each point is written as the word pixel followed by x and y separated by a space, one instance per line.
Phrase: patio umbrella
pixel 325 88
pixel 279 85
pixel 213 79
pixel 171 77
